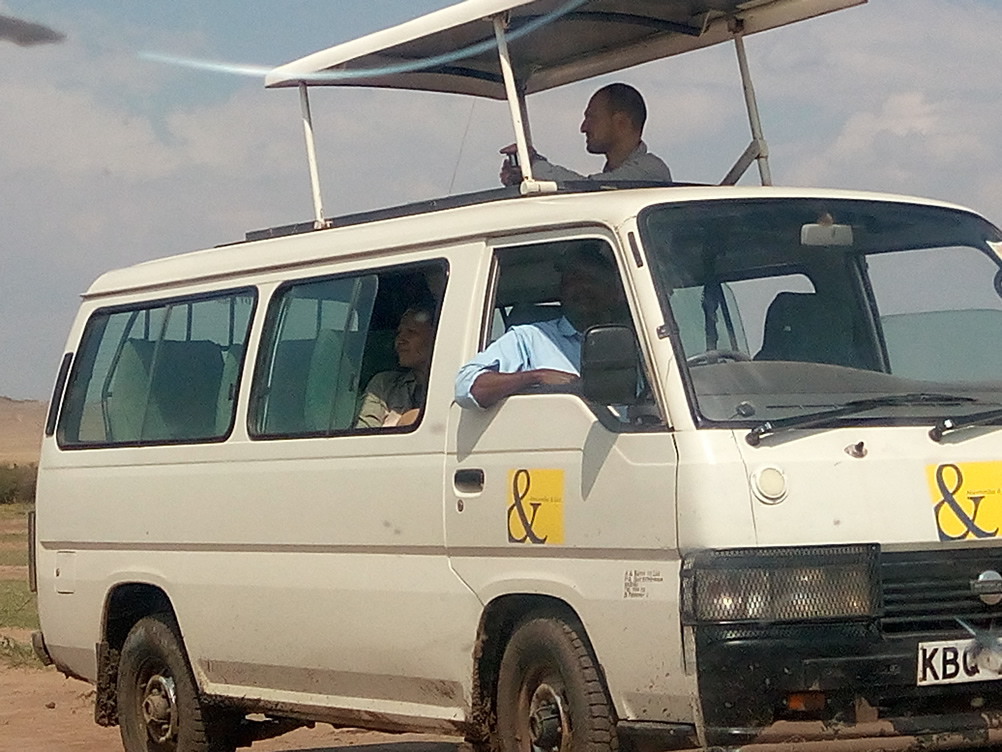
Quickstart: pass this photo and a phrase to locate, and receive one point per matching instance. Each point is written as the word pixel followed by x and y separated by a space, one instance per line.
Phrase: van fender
pixel 506 602
pixel 128 598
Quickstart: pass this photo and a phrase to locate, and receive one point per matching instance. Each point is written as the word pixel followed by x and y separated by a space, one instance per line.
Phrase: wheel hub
pixel 160 708
pixel 547 721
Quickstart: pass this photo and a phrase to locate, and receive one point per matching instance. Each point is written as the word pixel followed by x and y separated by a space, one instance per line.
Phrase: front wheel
pixel 550 697
pixel 159 708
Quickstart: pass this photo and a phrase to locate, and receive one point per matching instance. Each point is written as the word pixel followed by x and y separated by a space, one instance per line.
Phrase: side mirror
pixel 610 365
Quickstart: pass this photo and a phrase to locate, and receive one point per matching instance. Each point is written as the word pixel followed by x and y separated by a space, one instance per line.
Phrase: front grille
pixel 928 593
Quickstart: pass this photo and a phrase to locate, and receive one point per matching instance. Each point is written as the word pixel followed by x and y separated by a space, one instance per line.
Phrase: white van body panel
pixel 714 504
pixel 831 496
pixel 887 495
pixel 229 527
pixel 345 577
pixel 617 553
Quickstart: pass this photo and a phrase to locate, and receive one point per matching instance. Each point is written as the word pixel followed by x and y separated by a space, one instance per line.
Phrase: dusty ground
pixel 21 423
pixel 40 711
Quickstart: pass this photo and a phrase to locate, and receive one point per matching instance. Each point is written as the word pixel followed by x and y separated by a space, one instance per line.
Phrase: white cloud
pixel 68 132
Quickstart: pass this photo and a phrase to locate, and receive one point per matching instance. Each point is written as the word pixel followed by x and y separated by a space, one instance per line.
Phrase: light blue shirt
pixel 547 344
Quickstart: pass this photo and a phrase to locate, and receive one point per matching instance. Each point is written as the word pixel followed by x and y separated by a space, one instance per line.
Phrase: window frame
pixel 500 246
pixel 81 361
pixel 264 360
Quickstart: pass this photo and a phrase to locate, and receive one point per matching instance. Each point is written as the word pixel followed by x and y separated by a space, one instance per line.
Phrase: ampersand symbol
pixel 949 501
pixel 519 493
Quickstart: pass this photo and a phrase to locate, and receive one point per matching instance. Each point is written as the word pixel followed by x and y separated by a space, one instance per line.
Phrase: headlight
pixel 780 584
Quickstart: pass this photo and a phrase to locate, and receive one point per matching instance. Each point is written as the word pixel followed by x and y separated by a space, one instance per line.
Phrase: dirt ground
pixel 21 424
pixel 40 711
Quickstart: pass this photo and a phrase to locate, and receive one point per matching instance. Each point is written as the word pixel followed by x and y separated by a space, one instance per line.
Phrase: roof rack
pixel 506 49
pixel 449 202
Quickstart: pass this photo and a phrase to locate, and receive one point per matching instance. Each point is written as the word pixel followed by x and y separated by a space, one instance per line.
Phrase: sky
pixel 109 159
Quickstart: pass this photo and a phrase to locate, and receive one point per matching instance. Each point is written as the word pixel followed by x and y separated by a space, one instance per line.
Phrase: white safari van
pixel 767 515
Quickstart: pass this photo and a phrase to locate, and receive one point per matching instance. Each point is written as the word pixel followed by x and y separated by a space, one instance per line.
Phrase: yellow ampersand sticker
pixel 967 499
pixel 536 506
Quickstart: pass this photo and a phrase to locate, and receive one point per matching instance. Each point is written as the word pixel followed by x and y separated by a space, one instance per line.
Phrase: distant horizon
pixel 19 401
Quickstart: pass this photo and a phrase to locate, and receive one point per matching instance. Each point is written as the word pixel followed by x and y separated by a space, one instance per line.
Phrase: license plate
pixel 956 662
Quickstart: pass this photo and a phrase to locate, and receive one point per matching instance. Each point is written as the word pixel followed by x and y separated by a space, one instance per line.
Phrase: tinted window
pixel 163 373
pixel 531 289
pixel 338 354
pixel 931 331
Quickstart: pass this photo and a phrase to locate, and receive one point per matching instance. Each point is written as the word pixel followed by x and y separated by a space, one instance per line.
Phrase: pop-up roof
pixel 507 49
pixel 552 42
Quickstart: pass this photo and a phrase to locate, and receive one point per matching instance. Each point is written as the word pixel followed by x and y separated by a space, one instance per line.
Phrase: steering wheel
pixel 716 356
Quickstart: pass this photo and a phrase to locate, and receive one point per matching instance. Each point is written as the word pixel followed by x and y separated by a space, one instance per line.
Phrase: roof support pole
pixel 311 156
pixel 522 108
pixel 516 104
pixel 758 139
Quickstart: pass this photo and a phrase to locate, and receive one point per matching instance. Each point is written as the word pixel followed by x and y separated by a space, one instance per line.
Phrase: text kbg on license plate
pixel 955 662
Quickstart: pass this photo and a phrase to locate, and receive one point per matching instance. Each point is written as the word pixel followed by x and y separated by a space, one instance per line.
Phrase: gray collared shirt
pixel 640 165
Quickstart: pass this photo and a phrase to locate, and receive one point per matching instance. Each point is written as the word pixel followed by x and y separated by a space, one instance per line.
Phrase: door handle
pixel 469 480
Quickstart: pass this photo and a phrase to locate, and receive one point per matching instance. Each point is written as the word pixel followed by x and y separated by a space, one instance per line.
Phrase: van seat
pixel 129 413
pixel 287 387
pixel 532 313
pixel 805 327
pixel 332 382
pixel 227 395
pixel 185 388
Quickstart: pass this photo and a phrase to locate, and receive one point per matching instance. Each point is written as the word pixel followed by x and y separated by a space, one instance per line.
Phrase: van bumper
pixel 954 731
pixel 838 684
pixel 41 651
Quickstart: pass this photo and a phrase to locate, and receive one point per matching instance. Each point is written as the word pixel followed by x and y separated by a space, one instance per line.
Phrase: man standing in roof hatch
pixel 613 125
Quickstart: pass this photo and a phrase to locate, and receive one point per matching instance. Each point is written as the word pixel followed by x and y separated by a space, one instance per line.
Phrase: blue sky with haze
pixel 107 159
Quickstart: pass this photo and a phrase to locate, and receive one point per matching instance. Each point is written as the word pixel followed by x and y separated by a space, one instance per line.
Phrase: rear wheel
pixel 159 708
pixel 550 697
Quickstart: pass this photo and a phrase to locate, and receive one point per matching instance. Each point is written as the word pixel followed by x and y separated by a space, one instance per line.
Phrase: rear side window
pixel 162 373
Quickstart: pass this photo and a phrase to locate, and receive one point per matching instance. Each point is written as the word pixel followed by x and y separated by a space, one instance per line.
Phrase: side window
pixel 529 290
pixel 930 333
pixel 562 288
pixel 307 381
pixel 163 373
pixel 347 354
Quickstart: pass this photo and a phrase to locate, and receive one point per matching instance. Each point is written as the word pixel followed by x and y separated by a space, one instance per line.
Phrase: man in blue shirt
pixel 549 352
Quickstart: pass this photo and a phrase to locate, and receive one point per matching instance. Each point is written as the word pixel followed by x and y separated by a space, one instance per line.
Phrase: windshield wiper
pixel 952 424
pixel 754 436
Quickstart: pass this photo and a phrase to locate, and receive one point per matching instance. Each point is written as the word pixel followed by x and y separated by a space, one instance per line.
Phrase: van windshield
pixel 792 307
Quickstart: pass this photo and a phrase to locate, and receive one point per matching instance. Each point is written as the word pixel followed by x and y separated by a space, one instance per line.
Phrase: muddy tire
pixel 159 709
pixel 550 696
